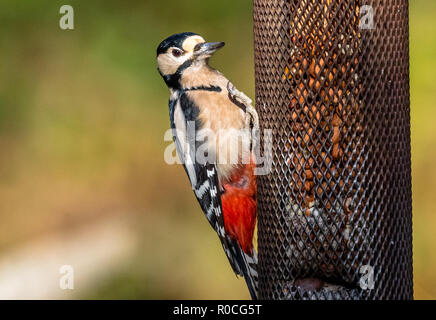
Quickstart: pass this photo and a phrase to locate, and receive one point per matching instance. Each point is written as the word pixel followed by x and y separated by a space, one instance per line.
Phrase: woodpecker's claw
pixel 238 94
pixel 252 124
pixel 251 117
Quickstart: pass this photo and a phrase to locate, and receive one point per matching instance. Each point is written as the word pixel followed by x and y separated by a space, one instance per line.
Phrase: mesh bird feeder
pixel 335 214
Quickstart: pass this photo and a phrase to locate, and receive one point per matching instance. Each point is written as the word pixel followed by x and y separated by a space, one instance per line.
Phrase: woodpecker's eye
pixel 177 53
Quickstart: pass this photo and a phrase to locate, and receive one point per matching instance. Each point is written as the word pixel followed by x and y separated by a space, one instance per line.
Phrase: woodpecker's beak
pixel 207 49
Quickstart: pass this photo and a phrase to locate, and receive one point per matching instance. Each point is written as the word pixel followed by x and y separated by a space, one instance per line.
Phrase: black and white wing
pixel 205 184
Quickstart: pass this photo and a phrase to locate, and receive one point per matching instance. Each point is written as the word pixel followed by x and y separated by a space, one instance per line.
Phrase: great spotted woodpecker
pixel 208 114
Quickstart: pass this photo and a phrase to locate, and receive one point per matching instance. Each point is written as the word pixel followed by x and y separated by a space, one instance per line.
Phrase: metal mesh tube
pixel 335 214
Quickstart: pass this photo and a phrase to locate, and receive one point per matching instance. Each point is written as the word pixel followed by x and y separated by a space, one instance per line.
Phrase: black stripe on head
pixel 176 40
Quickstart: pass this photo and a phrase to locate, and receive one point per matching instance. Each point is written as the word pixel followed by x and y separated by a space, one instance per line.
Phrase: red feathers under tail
pixel 239 213
pixel 239 207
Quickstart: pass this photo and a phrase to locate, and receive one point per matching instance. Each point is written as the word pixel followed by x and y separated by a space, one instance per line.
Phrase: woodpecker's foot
pixel 251 119
pixel 252 124
pixel 240 96
pixel 251 116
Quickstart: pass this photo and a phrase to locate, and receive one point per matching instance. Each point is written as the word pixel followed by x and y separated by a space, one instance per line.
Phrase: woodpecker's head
pixel 182 51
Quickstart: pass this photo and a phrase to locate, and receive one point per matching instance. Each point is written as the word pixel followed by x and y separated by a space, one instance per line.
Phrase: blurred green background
pixel 83 180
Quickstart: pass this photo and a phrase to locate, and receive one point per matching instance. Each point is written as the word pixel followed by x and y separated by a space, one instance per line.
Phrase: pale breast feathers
pixel 222 129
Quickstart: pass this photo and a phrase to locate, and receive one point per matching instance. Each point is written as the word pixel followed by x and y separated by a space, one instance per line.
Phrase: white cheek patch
pixel 168 64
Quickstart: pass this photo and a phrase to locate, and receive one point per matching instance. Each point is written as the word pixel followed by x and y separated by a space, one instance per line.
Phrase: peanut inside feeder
pixel 323 143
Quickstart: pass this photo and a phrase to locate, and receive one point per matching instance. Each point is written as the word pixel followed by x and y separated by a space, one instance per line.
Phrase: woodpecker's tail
pixel 247 266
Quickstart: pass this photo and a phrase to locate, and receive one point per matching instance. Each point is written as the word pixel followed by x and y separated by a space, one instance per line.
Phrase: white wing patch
pixel 183 148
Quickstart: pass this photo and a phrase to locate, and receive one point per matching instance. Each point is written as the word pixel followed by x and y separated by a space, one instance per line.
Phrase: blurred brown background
pixel 83 180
